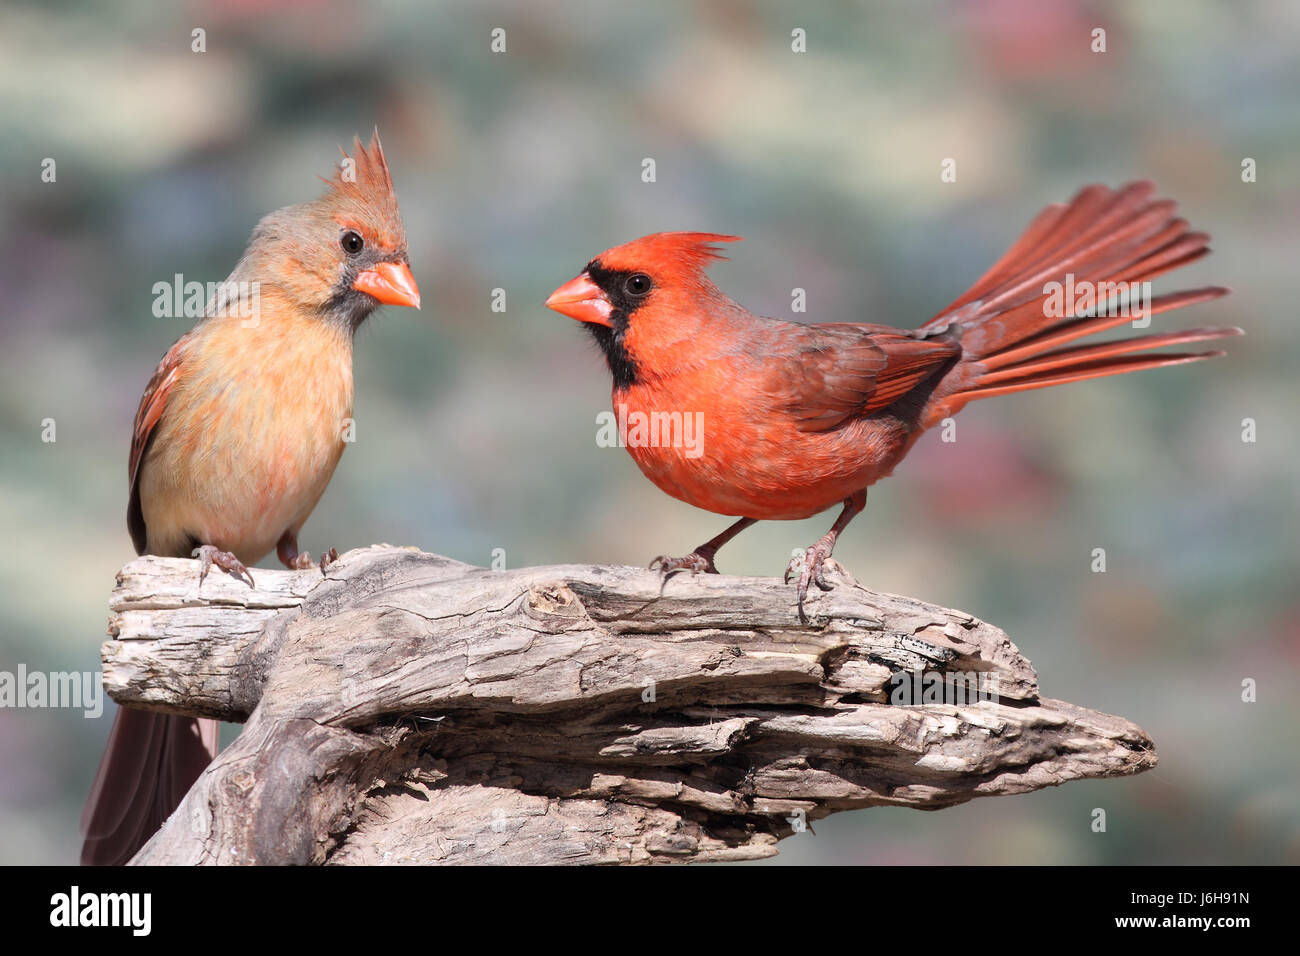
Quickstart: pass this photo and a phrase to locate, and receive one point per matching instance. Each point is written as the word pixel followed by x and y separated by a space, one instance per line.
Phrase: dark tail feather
pixel 1068 331
pixel 1101 236
pixel 151 761
pixel 1011 341
pixel 1059 238
pixel 1061 374
pixel 1094 361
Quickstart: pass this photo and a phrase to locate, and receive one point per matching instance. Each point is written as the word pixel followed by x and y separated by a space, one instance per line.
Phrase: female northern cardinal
pixel 237 436
pixel 797 418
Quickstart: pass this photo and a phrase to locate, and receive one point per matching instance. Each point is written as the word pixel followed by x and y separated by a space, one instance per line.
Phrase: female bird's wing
pixel 836 372
pixel 147 416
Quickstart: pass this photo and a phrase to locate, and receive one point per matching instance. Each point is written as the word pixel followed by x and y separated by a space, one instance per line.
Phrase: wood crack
pixel 406 708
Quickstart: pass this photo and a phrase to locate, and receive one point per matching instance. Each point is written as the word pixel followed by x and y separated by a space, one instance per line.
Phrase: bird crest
pixel 362 190
pixel 692 251
pixel 364 174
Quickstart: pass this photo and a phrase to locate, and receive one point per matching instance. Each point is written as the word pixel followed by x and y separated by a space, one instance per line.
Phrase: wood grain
pixel 408 708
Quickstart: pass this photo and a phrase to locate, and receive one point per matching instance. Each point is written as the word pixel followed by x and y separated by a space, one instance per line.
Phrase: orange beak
pixel 391 283
pixel 583 300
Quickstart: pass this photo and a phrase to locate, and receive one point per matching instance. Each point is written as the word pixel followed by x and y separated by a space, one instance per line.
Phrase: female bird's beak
pixel 583 300
pixel 391 283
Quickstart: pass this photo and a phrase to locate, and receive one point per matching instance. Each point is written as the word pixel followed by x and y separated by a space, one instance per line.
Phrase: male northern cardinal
pixel 237 436
pixel 797 418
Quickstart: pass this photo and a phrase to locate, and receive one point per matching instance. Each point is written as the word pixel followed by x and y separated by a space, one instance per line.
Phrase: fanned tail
pixel 1103 239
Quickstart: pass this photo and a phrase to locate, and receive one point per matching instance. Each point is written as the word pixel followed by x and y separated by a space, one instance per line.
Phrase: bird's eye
pixel 352 242
pixel 638 284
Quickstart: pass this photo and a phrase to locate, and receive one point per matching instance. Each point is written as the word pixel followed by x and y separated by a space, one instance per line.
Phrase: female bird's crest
pixel 362 190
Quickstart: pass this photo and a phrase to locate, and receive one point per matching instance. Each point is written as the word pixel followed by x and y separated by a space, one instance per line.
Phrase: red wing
pixel 147 416
pixel 843 371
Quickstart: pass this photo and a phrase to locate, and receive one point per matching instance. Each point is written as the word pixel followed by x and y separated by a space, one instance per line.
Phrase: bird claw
pixel 810 566
pixel 693 562
pixel 209 555
pixel 302 560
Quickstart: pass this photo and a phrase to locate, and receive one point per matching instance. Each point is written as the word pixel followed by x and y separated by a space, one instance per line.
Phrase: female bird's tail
pixel 1078 269
pixel 148 766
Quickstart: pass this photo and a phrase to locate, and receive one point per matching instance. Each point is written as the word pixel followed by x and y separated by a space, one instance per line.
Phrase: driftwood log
pixel 407 708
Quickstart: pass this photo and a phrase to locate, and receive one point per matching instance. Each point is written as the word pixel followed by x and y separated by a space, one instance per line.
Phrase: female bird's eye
pixel 638 284
pixel 352 242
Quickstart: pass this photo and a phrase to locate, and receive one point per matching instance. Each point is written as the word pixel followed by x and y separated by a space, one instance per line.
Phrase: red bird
pixel 798 418
pixel 237 436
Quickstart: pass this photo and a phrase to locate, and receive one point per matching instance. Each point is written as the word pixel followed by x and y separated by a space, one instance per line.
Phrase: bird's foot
pixel 695 562
pixel 209 555
pixel 810 566
pixel 302 561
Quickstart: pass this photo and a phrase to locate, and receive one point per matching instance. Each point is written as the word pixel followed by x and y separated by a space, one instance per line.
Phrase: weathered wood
pixel 408 708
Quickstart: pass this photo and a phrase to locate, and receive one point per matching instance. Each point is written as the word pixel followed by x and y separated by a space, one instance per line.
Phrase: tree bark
pixel 407 708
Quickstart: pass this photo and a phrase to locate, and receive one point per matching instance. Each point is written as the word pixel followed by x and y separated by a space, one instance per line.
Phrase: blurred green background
pixel 476 429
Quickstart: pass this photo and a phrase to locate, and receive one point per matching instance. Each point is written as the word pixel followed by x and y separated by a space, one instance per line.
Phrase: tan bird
pixel 236 437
